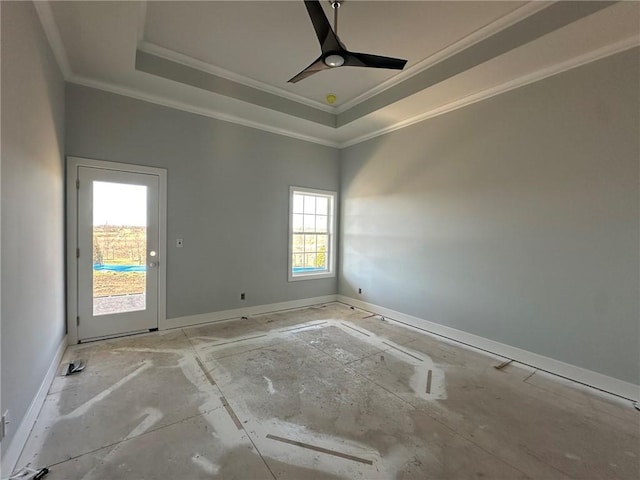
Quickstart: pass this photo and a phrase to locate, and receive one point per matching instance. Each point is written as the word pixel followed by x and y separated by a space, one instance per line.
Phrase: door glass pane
pixel 119 247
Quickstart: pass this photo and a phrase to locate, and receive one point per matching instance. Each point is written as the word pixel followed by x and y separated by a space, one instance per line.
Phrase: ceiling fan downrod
pixel 335 4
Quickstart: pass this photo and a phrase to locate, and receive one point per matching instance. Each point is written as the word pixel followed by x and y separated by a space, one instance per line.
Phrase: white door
pixel 118 252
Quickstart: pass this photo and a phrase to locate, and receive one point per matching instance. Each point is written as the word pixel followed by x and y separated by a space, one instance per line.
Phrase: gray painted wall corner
pixel 32 209
pixel 515 219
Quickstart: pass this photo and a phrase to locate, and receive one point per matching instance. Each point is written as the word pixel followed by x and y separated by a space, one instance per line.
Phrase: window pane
pixel 298 260
pixel 310 260
pixel 309 204
pixel 310 243
pixel 321 260
pixel 312 220
pixel 321 223
pixel 322 205
pixel 322 242
pixel 298 244
pixel 309 223
pixel 298 202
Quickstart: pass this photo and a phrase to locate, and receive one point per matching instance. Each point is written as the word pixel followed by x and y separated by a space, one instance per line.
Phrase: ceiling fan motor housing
pixel 334 59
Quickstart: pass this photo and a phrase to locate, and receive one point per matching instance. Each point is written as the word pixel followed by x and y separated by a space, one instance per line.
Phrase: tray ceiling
pixel 232 60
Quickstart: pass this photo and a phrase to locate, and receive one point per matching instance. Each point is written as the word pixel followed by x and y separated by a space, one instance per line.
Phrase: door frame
pixel 72 234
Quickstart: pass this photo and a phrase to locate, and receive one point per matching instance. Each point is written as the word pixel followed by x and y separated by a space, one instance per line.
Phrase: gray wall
pixel 32 209
pixel 516 218
pixel 228 190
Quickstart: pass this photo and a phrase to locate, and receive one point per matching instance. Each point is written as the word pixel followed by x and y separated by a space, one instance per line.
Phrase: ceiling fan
pixel 334 53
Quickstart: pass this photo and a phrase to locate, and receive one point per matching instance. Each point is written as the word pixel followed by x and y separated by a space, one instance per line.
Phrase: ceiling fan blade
pixel 354 59
pixel 329 41
pixel 334 51
pixel 317 66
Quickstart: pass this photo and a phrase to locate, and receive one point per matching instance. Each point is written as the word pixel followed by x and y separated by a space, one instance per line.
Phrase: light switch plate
pixel 3 424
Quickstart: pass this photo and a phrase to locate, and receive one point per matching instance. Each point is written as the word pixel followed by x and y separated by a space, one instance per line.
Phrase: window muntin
pixel 311 233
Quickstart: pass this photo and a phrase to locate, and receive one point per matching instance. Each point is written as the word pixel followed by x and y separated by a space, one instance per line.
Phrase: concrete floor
pixel 321 393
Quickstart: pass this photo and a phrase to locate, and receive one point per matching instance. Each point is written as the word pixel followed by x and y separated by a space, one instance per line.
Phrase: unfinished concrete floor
pixel 323 392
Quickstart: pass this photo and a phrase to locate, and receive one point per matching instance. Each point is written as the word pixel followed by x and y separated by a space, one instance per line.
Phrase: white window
pixel 311 233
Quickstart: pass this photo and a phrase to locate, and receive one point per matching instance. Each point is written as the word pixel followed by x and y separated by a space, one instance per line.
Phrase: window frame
pixel 331 232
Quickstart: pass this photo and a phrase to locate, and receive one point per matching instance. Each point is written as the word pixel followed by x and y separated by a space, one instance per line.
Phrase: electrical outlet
pixel 4 429
pixel 242 296
pixel 359 290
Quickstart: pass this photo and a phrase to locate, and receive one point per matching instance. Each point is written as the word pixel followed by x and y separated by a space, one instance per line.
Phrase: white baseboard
pixel 242 312
pixel 19 440
pixel 581 375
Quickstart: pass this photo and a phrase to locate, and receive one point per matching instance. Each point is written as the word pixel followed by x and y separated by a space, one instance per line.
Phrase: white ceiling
pixel 231 60
pixel 273 41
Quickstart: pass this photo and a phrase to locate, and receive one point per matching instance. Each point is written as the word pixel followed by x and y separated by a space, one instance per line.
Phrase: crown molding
pixel 618 47
pixel 206 112
pixel 606 51
pixel 50 27
pixel 43 9
pixel 188 61
pixel 478 35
